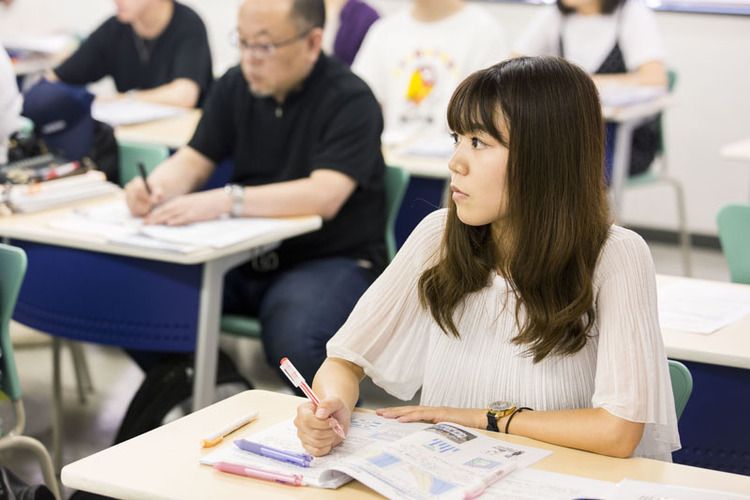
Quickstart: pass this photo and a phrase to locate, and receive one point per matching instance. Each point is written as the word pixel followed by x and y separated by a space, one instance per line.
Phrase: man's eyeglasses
pixel 263 50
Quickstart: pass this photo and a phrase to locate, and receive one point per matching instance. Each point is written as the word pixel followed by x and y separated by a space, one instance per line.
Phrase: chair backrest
pixel 131 153
pixel 682 385
pixel 12 271
pixel 734 235
pixel 396 181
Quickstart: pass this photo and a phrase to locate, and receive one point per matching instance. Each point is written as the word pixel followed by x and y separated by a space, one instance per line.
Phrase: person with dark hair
pixel 155 49
pixel 616 41
pixel 521 295
pixel 347 24
pixel 304 134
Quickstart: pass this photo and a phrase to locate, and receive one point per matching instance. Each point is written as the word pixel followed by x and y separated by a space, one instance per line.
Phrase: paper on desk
pixel 701 307
pixel 365 430
pixel 615 95
pixel 46 44
pixel 533 484
pixel 131 111
pixel 629 489
pixel 114 222
pixel 434 146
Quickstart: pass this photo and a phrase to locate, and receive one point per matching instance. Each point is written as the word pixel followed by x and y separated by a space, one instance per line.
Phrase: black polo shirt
pixel 114 49
pixel 333 122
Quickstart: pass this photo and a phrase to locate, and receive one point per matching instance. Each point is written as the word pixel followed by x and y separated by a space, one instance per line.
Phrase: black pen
pixel 142 170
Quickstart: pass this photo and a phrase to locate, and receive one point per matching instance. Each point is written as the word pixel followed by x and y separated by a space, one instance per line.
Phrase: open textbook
pixel 397 460
pixel 114 222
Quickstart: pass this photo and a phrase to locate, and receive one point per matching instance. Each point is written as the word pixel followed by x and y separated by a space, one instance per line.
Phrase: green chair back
pixel 734 235
pixel 396 182
pixel 131 153
pixel 682 385
pixel 12 271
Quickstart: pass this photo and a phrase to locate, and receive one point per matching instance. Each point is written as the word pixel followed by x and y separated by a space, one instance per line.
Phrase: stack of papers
pixel 26 198
pixel 131 111
pixel 114 222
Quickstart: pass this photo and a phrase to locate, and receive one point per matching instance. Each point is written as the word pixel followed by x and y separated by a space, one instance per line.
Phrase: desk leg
pixel 621 164
pixel 207 338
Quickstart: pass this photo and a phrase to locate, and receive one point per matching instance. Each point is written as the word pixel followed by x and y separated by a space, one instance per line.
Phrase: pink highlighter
pixel 298 381
pixel 257 473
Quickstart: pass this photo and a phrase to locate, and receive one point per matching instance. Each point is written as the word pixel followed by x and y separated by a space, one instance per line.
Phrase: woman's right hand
pixel 314 428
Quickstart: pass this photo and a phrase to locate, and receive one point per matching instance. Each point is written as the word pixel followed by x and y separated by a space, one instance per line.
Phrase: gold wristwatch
pixel 496 411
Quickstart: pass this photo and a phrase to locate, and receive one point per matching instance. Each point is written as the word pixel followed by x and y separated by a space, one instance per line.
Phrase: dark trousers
pixel 299 308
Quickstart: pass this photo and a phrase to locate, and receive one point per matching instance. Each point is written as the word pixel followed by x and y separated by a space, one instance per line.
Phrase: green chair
pixel 659 174
pixel 12 271
pixel 131 153
pixel 734 235
pixel 396 181
pixel 682 385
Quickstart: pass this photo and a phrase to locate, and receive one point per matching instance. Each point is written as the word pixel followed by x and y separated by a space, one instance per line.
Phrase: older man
pixel 304 135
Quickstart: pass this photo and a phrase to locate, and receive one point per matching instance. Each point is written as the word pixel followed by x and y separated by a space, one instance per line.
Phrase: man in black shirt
pixel 157 48
pixel 304 135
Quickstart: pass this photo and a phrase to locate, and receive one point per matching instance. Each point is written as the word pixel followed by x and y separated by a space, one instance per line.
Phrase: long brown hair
pixel 556 216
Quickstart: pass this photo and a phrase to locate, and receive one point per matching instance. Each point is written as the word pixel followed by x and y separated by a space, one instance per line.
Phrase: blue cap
pixel 62 116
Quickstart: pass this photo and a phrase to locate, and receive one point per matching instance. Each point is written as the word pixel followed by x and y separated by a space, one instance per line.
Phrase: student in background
pixel 155 49
pixel 616 41
pixel 304 134
pixel 347 22
pixel 521 295
pixel 414 59
pixel 10 103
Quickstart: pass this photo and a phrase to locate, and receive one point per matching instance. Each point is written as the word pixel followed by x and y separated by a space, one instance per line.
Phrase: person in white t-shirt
pixel 414 59
pixel 616 41
pixel 521 295
pixel 10 103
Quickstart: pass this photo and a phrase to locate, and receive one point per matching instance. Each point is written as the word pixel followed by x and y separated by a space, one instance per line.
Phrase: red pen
pixel 298 381
pixel 254 472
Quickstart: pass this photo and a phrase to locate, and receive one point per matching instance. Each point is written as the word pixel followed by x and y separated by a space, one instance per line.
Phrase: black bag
pixel 12 488
pixel 166 393
pixel 104 152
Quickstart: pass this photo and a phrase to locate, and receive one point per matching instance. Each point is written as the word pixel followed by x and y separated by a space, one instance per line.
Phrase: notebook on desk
pixel 113 222
pixel 27 198
pixel 398 460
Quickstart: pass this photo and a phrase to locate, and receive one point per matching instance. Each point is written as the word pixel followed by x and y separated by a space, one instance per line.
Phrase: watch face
pixel 500 406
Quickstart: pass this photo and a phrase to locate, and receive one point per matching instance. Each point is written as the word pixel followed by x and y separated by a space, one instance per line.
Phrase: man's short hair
pixel 309 13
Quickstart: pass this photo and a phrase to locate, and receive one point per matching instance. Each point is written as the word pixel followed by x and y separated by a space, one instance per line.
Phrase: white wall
pixel 710 53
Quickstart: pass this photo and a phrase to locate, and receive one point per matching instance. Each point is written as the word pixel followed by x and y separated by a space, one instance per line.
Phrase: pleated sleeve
pixel 632 376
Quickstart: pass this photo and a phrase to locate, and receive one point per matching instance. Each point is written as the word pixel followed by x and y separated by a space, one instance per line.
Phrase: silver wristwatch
pixel 237 194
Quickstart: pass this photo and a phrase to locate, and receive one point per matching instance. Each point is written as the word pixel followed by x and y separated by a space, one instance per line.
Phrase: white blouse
pixel 622 367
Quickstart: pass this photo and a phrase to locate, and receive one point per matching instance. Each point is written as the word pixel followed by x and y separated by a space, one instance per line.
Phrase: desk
pixel 164 462
pixel 172 132
pixel 194 282
pixel 737 151
pixel 713 427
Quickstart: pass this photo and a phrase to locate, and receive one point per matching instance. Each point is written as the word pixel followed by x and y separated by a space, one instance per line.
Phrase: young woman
pixel 521 295
pixel 617 42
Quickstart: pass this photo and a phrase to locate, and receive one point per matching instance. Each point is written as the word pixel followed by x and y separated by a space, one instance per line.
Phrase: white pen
pixel 478 488
pixel 218 436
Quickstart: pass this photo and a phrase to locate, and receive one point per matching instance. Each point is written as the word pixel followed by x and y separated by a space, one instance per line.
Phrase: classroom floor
pixel 91 427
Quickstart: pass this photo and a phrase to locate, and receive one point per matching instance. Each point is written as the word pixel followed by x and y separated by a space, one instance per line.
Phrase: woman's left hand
pixel 470 417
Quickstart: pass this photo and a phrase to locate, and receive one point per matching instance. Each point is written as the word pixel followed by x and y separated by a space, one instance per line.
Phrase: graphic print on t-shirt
pixel 426 72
